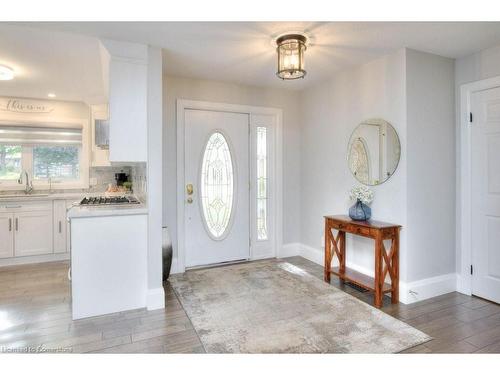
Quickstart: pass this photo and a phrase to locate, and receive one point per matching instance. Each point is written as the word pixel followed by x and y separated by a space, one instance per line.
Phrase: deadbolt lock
pixel 190 200
pixel 189 189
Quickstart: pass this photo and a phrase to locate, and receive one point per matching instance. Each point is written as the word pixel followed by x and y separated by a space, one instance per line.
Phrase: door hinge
pixel 471 270
pixel 470 116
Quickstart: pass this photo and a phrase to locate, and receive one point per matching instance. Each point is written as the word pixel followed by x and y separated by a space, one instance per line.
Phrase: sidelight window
pixel 262 183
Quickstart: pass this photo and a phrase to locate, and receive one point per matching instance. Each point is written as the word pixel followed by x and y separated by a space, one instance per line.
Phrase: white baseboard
pixel 427 288
pixel 155 299
pixel 289 250
pixel 464 284
pixel 262 256
pixel 408 292
pixel 175 266
pixel 312 254
pixel 34 259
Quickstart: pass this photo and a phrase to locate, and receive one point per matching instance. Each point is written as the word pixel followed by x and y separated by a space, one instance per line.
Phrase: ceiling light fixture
pixel 51 95
pixel 290 49
pixel 6 73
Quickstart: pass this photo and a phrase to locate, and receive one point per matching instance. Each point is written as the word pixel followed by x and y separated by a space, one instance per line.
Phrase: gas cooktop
pixel 109 201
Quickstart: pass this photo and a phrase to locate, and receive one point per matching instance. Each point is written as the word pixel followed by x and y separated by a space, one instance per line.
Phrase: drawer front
pixel 362 231
pixel 389 232
pixel 25 206
pixel 352 228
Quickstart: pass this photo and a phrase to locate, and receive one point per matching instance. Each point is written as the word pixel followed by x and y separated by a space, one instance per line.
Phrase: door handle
pixel 10 224
pixel 190 200
pixel 60 226
pixel 189 189
pixel 17 224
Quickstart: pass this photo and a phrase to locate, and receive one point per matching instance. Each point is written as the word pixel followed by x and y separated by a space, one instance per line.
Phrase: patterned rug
pixel 275 307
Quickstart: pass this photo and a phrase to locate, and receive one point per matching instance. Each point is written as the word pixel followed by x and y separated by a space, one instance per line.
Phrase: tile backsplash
pixel 103 176
pixel 138 176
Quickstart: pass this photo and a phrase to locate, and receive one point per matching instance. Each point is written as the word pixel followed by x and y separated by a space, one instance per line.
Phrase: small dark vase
pixel 360 211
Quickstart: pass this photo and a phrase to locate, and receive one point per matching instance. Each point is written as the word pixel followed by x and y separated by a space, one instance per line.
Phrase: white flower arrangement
pixel 361 193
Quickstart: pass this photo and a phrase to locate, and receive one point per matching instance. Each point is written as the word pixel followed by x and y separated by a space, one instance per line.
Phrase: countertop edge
pixel 76 212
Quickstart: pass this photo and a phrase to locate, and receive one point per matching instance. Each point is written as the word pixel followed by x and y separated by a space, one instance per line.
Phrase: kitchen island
pixel 108 259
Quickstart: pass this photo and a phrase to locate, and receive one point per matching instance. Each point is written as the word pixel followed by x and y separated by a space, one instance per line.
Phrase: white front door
pixel 216 187
pixel 485 185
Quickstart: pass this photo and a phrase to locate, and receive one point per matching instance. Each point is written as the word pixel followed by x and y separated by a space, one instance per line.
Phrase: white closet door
pixel 485 163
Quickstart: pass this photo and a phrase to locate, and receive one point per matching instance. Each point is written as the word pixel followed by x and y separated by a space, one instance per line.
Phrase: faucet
pixel 29 184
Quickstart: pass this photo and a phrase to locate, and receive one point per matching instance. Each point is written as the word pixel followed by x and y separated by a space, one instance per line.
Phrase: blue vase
pixel 360 211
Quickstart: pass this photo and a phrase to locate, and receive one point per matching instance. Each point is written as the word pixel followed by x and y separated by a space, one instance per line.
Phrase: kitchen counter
pixel 100 211
pixel 109 253
pixel 41 197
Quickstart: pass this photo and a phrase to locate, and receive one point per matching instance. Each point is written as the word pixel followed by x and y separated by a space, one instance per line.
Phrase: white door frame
pixel 464 235
pixel 183 105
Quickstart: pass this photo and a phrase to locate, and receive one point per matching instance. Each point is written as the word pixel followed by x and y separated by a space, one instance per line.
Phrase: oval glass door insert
pixel 217 186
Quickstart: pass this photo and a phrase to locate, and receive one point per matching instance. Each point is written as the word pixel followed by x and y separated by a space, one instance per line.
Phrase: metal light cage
pixel 290 50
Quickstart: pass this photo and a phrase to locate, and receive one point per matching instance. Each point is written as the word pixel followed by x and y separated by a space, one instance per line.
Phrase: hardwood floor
pixel 457 323
pixel 35 313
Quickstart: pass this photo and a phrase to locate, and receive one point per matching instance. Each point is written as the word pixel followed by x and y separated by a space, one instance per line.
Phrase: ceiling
pixel 46 62
pixel 239 52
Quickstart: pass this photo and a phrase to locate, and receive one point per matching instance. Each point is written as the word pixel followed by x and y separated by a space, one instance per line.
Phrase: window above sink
pixel 55 156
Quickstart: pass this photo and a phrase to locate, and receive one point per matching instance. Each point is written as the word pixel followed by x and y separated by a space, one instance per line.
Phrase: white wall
pixel 475 67
pixel 156 296
pixel 414 92
pixel 411 90
pixel 430 165
pixel 330 113
pixel 185 88
pixel 56 111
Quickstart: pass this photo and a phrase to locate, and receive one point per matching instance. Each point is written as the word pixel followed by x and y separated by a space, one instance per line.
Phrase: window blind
pixel 40 135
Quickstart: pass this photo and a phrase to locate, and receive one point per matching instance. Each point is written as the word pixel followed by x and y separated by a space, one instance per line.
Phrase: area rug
pixel 275 307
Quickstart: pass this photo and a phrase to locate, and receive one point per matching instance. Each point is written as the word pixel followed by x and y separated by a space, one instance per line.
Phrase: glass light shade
pixel 6 73
pixel 291 56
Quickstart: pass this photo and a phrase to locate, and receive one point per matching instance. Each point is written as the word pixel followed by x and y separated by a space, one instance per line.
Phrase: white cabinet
pixel 6 235
pixel 127 110
pixel 126 68
pixel 108 264
pixel 33 231
pixel 59 226
pixel 31 228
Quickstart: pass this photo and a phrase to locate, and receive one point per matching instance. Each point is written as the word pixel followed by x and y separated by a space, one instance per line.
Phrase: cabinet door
pixel 33 233
pixel 59 226
pixel 6 235
pixel 69 204
pixel 127 111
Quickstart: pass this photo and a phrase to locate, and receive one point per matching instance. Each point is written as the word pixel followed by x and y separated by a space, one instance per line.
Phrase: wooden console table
pixel 385 263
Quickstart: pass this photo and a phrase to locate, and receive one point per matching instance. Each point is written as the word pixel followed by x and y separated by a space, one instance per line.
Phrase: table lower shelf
pixel 359 279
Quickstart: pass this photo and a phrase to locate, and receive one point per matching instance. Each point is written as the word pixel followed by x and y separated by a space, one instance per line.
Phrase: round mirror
pixel 373 152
